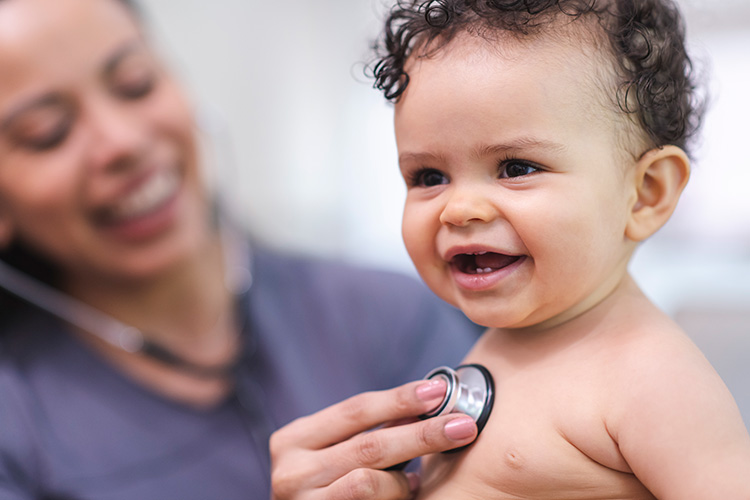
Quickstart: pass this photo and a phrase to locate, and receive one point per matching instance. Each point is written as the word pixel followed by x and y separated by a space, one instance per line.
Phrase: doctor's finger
pixel 359 413
pixel 384 448
pixel 303 480
pixel 369 484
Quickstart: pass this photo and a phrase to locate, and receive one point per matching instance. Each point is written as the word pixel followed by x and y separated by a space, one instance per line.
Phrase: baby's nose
pixel 466 205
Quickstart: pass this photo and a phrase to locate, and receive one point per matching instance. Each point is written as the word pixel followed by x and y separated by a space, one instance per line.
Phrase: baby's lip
pixel 479 260
pixel 455 251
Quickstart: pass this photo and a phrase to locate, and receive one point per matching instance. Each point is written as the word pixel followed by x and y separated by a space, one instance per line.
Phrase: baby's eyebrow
pixel 519 144
pixel 421 158
pixel 482 151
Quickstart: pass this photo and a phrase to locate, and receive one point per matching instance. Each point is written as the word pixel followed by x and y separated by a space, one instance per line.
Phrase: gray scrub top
pixel 74 428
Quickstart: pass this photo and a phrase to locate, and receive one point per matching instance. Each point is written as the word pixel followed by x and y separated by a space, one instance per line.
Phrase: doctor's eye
pixel 137 88
pixel 133 75
pixel 41 129
pixel 427 177
pixel 516 168
pixel 135 83
pixel 48 140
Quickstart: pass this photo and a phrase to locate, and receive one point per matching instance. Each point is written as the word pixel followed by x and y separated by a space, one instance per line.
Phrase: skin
pixel 511 151
pixel 90 120
pixel 335 454
pixel 479 203
pixel 99 172
pixel 85 121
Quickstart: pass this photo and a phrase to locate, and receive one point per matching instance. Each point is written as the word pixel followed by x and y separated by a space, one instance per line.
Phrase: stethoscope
pixel 114 332
pixel 470 390
pixel 470 387
pixel 259 423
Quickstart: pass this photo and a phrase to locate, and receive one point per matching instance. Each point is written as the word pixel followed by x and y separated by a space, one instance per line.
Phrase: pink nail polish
pixel 432 389
pixel 460 428
pixel 414 481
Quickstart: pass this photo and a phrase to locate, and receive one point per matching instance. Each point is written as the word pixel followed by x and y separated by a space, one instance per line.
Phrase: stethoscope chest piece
pixel 471 390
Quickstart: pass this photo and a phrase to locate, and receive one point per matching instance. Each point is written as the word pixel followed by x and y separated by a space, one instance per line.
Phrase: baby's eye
pixel 428 177
pixel 516 168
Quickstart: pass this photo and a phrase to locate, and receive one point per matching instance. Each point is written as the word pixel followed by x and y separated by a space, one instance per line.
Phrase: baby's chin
pixel 488 318
pixel 493 318
pixel 487 312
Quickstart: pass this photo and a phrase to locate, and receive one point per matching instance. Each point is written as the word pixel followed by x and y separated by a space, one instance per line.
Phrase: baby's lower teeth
pixel 480 270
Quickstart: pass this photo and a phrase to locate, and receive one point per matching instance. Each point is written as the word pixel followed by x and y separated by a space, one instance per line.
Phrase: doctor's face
pixel 98 162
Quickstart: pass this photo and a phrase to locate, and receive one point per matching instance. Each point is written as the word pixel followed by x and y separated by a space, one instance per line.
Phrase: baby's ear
pixel 660 176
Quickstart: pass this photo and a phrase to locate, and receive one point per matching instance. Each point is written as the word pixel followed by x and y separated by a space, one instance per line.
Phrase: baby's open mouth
pixel 482 262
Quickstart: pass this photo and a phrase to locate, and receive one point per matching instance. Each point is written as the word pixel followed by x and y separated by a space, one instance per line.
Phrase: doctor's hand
pixel 335 455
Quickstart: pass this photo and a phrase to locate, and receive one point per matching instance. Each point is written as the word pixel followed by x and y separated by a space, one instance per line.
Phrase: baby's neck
pixel 616 308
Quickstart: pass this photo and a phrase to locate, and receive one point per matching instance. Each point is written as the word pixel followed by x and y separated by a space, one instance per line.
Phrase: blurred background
pixel 302 148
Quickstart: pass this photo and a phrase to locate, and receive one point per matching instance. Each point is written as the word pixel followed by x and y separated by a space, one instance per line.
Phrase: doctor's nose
pixel 117 136
pixel 466 206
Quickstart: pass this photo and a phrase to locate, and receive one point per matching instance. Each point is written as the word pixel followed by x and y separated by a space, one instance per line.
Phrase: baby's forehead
pixel 575 54
pixel 559 46
pixel 581 38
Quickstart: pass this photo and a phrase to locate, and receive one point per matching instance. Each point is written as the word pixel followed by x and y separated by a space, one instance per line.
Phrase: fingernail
pixel 414 481
pixel 460 428
pixel 432 389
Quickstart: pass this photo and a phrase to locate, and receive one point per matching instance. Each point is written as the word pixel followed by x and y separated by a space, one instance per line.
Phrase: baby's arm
pixel 678 426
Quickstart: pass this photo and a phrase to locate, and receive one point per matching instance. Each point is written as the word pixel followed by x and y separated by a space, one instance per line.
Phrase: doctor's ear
pixel 660 176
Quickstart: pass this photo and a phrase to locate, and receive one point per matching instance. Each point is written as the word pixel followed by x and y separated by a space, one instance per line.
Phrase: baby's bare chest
pixel 518 468
pixel 546 438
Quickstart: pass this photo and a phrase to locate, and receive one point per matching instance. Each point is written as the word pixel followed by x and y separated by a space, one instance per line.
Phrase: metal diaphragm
pixel 471 390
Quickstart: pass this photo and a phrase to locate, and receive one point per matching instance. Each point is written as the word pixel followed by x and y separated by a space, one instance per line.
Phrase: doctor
pixel 102 212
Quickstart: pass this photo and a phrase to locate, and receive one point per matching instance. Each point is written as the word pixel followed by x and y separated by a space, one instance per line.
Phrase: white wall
pixel 309 143
pixel 305 147
pixel 310 140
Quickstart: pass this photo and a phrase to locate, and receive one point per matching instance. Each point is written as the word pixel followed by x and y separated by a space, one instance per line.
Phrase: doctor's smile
pixel 146 208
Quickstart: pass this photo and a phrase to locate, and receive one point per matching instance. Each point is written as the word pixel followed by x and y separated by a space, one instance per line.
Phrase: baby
pixel 540 142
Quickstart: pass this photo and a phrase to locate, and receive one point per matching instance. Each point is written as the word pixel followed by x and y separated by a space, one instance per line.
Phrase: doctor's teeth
pixel 154 192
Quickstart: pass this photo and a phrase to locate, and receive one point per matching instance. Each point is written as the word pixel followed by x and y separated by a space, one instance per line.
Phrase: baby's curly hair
pixel 655 77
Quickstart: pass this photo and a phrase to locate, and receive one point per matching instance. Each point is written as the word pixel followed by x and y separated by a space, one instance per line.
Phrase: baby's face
pixel 518 194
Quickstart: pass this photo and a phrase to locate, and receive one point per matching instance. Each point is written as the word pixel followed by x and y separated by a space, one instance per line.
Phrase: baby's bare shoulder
pixel 673 418
pixel 650 364
pixel 653 355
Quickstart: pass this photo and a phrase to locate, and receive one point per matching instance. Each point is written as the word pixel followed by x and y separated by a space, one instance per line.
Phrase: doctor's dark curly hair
pixel 655 77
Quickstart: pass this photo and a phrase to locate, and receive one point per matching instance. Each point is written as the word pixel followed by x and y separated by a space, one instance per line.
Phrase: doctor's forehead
pixel 49 34
pixel 20 18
